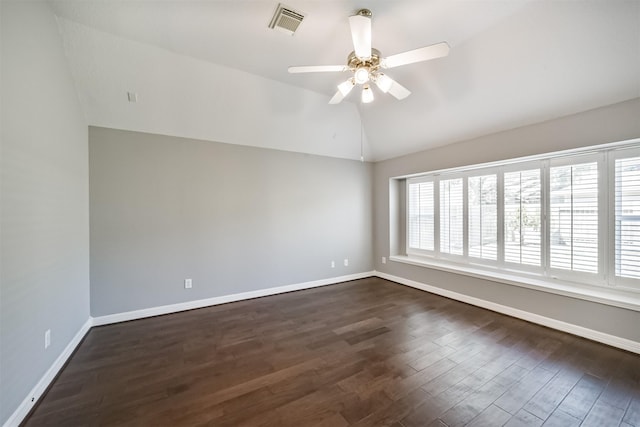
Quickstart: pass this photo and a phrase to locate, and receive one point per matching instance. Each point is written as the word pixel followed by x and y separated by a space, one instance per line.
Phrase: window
pixel 421 215
pixel 574 217
pixel 627 217
pixel 522 217
pixel 483 217
pixel 451 216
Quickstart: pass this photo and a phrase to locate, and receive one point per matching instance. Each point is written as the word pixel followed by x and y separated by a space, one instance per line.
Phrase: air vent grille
pixel 286 20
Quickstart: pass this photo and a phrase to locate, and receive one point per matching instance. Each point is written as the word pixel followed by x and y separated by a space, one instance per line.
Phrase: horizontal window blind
pixel 522 217
pixel 451 217
pixel 421 215
pixel 574 217
pixel 627 217
pixel 483 216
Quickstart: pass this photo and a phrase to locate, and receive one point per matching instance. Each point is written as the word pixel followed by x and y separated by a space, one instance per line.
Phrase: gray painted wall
pixel 232 218
pixel 609 124
pixel 44 215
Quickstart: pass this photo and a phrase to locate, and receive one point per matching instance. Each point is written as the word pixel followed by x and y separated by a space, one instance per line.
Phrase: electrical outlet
pixel 346 262
pixel 384 259
pixel 47 338
pixel 188 283
pixel 333 264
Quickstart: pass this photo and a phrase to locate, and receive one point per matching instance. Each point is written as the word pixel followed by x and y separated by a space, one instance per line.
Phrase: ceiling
pixel 214 70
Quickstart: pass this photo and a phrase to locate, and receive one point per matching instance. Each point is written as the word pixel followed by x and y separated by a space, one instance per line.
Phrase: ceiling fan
pixel 366 63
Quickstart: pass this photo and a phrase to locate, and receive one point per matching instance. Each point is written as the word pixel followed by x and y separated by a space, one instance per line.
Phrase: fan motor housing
pixel 373 63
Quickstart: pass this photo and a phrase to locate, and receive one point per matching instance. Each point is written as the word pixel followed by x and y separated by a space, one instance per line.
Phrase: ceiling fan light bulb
pixel 361 75
pixel 367 94
pixel 346 86
pixel 383 82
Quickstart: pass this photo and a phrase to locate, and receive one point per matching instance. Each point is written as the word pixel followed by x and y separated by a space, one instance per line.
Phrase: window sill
pixel 613 297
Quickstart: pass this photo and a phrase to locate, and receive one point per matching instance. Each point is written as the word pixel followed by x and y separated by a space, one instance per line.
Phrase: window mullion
pixel 500 217
pixel 436 216
pixel 613 196
pixel 465 217
pixel 604 187
pixel 545 189
pixel 612 249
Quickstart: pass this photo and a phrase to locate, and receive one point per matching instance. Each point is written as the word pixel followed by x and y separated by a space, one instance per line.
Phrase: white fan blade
pixel 344 89
pixel 317 69
pixel 383 82
pixel 361 35
pixel 399 91
pixel 346 86
pixel 337 98
pixel 426 53
pixel 387 85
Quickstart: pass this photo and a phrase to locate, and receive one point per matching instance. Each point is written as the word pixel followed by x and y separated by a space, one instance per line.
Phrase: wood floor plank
pixel 632 416
pixel 561 419
pixel 361 353
pixel 491 416
pixel 427 413
pixel 618 393
pixel 524 390
pixel 545 401
pixel 602 414
pixel 524 419
pixel 581 398
pixel 473 404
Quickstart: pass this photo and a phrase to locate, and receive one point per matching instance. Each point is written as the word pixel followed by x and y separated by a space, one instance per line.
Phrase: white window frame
pixel 526 268
pixel 445 255
pixel 613 280
pixel 436 225
pixel 555 278
pixel 479 173
pixel 598 278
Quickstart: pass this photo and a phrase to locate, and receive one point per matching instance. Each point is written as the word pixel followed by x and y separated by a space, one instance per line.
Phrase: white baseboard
pixel 591 334
pixel 190 305
pixel 32 398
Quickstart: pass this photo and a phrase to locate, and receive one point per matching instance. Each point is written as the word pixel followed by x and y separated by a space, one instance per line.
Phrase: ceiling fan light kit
pixel 365 62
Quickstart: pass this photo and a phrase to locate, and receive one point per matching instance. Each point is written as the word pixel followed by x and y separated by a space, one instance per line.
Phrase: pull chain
pixel 361 143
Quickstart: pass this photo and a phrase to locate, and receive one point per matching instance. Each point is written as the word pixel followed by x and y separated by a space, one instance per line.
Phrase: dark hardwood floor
pixel 361 353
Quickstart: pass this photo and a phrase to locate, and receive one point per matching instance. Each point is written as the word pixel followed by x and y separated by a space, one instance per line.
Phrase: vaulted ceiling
pixel 214 70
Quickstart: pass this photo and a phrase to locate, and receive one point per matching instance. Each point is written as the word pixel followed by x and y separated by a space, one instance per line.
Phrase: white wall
pixel 187 97
pixel 44 218
pixel 232 218
pixel 608 124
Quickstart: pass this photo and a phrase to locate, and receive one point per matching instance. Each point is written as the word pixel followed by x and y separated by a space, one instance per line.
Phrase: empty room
pixel 320 213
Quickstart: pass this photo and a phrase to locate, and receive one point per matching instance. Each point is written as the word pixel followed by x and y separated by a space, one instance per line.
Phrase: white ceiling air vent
pixel 286 20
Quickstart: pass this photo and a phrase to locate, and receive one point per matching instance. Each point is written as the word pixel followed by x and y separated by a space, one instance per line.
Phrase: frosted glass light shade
pixel 346 86
pixel 383 82
pixel 367 94
pixel 361 75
